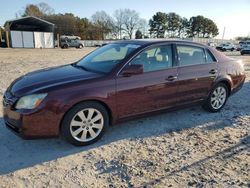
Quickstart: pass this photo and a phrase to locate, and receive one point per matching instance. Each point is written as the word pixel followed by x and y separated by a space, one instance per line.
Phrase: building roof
pixel 29 23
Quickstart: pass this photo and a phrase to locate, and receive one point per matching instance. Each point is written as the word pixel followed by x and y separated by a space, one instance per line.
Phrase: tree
pixel 32 10
pixel 46 9
pixel 143 27
pixel 119 20
pixel 182 31
pixel 174 23
pixel 242 38
pixel 103 22
pixel 199 26
pixel 158 25
pixel 131 21
pixel 138 34
pixel 40 10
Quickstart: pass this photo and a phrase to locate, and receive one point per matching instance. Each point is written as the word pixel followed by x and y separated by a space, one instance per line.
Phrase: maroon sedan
pixel 122 80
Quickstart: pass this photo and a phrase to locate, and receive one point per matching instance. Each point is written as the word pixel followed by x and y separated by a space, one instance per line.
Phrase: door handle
pixel 213 71
pixel 171 78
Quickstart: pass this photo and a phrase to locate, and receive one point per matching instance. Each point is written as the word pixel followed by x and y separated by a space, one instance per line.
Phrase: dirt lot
pixel 184 148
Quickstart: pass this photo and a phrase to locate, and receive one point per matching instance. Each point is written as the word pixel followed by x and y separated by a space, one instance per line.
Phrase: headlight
pixel 30 101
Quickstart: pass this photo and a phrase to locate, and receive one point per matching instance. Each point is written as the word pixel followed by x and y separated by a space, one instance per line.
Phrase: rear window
pixel 191 55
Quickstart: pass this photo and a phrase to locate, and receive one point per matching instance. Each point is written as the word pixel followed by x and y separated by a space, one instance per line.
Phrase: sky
pixel 232 15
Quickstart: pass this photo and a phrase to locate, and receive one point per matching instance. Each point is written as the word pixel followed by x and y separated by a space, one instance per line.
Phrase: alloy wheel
pixel 218 97
pixel 86 125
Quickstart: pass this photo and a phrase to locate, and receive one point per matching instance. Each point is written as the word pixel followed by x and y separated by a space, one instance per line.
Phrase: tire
pixel 241 53
pixel 210 103
pixel 79 129
pixel 80 46
pixel 65 46
pixel 232 49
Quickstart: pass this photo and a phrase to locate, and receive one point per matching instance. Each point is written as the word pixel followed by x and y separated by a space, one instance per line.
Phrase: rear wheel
pixel 217 98
pixel 85 123
pixel 80 46
pixel 65 46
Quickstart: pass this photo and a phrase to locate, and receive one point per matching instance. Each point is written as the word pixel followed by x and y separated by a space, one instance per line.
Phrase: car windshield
pixel 104 59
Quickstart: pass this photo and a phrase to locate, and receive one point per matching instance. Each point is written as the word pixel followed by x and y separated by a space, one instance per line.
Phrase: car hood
pixel 46 78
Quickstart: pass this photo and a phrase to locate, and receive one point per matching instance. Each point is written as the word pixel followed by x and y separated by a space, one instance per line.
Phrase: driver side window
pixel 153 59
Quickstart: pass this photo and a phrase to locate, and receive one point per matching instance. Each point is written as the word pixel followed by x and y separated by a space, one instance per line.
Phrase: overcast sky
pixel 231 14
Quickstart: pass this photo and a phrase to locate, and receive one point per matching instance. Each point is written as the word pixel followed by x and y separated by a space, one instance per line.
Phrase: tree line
pixel 124 23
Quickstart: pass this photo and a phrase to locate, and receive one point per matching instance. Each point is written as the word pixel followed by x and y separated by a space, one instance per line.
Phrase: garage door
pixel 39 40
pixel 48 37
pixel 28 39
pixel 16 39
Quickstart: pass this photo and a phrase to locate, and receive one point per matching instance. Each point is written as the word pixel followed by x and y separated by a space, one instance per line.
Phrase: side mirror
pixel 132 70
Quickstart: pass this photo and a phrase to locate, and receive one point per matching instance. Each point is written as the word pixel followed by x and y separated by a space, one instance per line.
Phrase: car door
pixel 154 89
pixel 197 70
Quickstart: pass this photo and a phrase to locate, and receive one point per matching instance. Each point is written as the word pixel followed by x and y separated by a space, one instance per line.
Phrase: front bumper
pixel 30 124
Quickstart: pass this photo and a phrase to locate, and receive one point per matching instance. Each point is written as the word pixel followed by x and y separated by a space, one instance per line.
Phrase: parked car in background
pixel 245 49
pixel 226 47
pixel 3 44
pixel 66 43
pixel 212 44
pixel 117 82
pixel 70 37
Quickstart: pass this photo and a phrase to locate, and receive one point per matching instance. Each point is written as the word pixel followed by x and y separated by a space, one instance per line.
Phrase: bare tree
pixel 39 10
pixel 103 21
pixel 143 27
pixel 32 10
pixel 119 20
pixel 131 21
pixel 46 9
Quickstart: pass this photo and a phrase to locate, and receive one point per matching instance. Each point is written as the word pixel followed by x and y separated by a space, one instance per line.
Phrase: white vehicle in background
pixel 226 47
pixel 71 37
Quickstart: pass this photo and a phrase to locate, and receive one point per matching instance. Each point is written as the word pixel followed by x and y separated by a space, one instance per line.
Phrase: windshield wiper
pixel 87 69
pixel 80 66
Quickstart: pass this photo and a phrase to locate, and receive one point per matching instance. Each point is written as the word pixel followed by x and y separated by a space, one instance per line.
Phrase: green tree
pixel 199 26
pixel 182 31
pixel 138 34
pixel 174 23
pixel 158 25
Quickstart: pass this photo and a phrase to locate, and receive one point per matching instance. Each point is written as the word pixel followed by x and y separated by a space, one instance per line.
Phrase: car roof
pixel 147 42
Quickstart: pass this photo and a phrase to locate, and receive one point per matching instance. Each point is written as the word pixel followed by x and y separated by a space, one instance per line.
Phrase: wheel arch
pixel 110 114
pixel 227 82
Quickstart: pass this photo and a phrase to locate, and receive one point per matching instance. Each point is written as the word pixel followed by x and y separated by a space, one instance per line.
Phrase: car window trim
pixel 208 50
pixel 174 65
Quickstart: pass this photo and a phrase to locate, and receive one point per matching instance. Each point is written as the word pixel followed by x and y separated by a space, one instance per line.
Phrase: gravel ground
pixel 185 148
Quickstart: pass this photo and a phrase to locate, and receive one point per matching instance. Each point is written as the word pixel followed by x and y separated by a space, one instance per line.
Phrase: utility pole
pixel 223 35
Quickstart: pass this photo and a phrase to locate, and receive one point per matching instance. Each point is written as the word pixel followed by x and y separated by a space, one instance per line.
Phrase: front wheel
pixel 217 98
pixel 85 123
